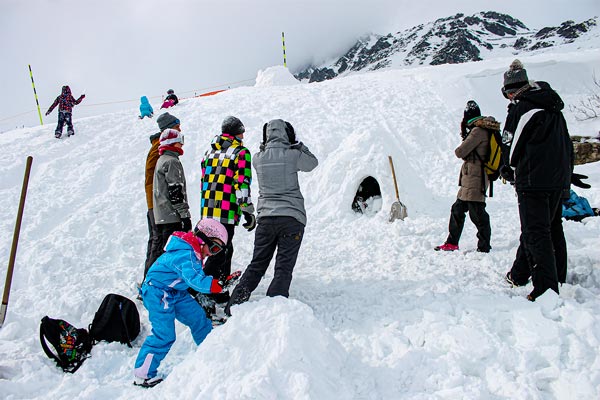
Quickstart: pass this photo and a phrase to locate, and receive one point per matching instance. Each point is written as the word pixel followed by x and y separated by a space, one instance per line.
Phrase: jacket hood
pixel 144 100
pixel 543 96
pixel 65 91
pixel 224 141
pixel 276 132
pixel 154 137
pixel 177 243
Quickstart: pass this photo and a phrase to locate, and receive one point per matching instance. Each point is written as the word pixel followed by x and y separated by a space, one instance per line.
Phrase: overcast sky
pixel 119 50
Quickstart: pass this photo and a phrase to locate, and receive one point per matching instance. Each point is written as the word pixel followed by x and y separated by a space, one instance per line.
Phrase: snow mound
pixel 275 76
pixel 275 349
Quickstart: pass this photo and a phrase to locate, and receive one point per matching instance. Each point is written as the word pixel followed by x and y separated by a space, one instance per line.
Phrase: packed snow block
pixel 368 197
pixel 274 348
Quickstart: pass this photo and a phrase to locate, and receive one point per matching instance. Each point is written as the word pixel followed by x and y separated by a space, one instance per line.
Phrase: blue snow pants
pixel 164 307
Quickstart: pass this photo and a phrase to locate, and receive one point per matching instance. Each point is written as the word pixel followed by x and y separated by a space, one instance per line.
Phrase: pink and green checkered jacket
pixel 226 179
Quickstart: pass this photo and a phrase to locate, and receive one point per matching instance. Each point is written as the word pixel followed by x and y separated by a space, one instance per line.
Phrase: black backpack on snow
pixel 71 345
pixel 117 320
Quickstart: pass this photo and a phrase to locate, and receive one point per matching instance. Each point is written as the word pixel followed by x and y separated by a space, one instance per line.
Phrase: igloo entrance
pixel 368 197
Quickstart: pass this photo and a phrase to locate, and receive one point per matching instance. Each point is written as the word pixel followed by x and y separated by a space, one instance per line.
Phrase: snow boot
pixel 57 135
pixel 147 383
pixel 446 247
pixel 510 280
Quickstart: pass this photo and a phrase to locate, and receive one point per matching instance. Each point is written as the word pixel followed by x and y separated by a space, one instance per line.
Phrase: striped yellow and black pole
pixel 35 94
pixel 283 43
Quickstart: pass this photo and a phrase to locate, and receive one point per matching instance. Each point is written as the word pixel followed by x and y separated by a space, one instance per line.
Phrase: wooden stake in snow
pixel 13 250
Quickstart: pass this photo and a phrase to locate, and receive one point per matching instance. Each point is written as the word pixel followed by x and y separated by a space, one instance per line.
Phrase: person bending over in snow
pixel 171 99
pixel 65 103
pixel 473 180
pixel 166 297
pixel 145 108
pixel 281 213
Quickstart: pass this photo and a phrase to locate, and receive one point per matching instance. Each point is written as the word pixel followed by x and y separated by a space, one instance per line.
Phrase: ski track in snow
pixel 374 312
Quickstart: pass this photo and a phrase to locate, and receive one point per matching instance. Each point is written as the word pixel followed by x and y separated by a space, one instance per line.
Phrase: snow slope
pixel 374 312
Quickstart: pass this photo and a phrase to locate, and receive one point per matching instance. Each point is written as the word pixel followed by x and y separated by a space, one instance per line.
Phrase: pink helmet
pixel 212 229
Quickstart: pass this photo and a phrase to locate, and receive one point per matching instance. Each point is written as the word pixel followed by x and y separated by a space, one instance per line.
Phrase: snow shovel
pixel 398 210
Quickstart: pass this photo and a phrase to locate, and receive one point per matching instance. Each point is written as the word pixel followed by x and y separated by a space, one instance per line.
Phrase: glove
pixel 215 287
pixel 248 212
pixel 577 180
pixel 230 279
pixel 82 96
pixel 250 221
pixel 47 113
pixel 507 173
pixel 186 224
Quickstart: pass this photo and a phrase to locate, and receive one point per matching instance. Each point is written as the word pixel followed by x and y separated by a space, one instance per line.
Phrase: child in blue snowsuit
pixel 166 297
pixel 145 108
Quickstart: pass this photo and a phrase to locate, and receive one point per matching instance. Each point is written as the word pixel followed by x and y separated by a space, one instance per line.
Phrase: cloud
pixel 122 49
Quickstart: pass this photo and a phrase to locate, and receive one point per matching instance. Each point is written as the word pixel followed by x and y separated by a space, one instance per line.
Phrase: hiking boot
pixel 70 133
pixel 57 135
pixel 446 247
pixel 483 250
pixel 510 280
pixel 147 383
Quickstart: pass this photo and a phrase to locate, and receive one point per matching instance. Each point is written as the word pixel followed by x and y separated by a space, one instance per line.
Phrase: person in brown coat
pixel 154 250
pixel 473 180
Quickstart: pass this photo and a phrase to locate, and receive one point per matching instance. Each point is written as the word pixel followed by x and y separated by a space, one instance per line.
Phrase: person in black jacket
pixel 538 160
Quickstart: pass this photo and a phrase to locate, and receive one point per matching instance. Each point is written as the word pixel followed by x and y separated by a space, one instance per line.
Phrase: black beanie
pixel 471 111
pixel 166 120
pixel 233 126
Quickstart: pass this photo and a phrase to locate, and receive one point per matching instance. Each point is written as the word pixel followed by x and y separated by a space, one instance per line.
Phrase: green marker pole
pixel 35 94
pixel 283 43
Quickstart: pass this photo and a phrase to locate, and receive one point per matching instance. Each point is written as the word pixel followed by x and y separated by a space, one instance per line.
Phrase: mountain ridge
pixel 449 40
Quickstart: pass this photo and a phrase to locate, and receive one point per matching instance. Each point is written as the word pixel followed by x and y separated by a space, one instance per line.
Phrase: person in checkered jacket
pixel 226 178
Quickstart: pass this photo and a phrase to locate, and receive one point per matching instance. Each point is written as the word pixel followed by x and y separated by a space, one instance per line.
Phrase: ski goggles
pixel 213 247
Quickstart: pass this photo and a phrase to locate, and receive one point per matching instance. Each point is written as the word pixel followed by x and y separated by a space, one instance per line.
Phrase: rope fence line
pixel 136 100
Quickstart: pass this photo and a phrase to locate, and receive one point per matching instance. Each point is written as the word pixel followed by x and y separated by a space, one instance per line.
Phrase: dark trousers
pixel 540 230
pixel 478 216
pixel 219 265
pixel 154 249
pixel 522 269
pixel 281 233
pixel 164 231
pixel 64 117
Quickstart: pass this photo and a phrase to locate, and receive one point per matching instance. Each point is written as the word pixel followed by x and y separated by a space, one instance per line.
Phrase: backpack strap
pixel 50 354
pixel 124 324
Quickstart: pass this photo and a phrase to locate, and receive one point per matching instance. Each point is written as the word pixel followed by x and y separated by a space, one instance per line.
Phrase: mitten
pixel 215 287
pixel 577 180
pixel 186 224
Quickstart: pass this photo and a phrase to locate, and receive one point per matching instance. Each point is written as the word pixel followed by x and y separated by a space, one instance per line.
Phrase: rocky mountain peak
pixel 450 40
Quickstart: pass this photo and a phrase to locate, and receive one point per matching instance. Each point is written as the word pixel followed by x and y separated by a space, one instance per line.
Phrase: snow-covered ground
pixel 374 312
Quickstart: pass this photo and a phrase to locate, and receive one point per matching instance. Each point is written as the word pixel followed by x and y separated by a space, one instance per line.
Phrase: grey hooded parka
pixel 277 165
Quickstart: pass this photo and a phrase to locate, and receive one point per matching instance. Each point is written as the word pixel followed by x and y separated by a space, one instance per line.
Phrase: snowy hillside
pixel 374 312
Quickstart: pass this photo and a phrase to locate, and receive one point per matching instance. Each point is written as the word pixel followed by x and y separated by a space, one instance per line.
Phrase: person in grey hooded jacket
pixel 281 214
